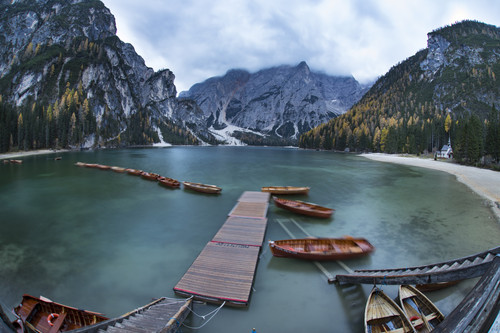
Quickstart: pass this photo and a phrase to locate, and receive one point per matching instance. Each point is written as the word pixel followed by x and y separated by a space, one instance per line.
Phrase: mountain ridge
pixel 405 111
pixel 279 102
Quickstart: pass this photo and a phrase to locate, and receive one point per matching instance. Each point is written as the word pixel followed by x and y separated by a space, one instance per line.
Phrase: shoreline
pixel 484 182
pixel 5 156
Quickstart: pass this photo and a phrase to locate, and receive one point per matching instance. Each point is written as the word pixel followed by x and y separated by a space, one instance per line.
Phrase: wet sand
pixel 29 153
pixel 484 182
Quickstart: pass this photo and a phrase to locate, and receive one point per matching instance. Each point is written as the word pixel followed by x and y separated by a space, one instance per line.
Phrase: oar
pixel 424 319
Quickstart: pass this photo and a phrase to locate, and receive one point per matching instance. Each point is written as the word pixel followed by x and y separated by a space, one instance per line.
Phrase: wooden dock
pixel 453 270
pixel 224 270
pixel 164 315
pixel 479 310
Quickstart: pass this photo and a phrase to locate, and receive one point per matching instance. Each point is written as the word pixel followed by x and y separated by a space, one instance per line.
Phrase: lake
pixel 111 242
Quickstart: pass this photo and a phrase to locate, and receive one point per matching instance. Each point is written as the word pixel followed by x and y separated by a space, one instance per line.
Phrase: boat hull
pixel 169 182
pixel 203 188
pixel 304 208
pixel 423 314
pixel 285 190
pixel 319 249
pixel 42 315
pixel 382 314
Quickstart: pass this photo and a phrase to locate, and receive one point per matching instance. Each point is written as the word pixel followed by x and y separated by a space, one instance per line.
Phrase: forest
pixel 412 111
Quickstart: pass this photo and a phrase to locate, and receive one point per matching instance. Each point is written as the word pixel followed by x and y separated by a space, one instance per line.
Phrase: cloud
pixel 198 39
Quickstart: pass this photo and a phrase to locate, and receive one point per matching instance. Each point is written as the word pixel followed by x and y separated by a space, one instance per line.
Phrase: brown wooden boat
pixel 150 175
pixel 285 189
pixel 321 248
pixel 304 208
pixel 134 172
pixel 169 182
pixel 118 169
pixel 42 315
pixel 383 315
pixel 102 167
pixel 204 188
pixel 423 314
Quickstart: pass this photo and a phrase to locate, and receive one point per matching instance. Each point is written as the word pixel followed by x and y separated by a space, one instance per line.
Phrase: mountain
pixel 426 99
pixel 67 80
pixel 273 105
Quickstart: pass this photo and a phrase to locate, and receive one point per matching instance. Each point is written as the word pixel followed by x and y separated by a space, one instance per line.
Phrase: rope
pixel 211 313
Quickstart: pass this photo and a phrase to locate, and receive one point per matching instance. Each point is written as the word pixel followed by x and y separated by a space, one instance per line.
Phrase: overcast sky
pixel 198 39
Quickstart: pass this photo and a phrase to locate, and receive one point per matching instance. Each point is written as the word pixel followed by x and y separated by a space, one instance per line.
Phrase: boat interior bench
pixel 318 247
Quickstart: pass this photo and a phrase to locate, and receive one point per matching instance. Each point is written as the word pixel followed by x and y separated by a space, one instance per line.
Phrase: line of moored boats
pixel 165 181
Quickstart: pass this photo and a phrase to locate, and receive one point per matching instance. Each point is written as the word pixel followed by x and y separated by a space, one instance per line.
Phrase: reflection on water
pixel 110 242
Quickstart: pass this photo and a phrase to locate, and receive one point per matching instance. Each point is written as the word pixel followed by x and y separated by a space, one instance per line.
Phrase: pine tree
pixel 492 145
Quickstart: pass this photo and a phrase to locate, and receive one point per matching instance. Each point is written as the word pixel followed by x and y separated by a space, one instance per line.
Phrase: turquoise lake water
pixel 111 242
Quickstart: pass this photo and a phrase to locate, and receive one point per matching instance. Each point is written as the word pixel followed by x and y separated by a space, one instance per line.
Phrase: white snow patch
pixel 161 143
pixel 226 134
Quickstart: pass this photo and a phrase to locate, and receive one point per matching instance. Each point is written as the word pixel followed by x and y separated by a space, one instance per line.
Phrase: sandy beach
pixel 484 182
pixel 31 152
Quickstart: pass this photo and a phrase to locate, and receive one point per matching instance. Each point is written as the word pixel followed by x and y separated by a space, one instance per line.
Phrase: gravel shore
pixel 484 182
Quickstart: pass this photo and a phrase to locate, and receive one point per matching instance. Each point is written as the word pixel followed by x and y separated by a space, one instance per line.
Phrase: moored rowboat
pixel 205 188
pixel 304 208
pixel 285 189
pixel 383 315
pixel 134 172
pixel 42 315
pixel 169 182
pixel 423 314
pixel 321 248
pixel 118 169
pixel 149 175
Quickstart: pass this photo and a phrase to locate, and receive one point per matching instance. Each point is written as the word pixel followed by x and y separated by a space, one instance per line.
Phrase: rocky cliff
pixel 64 69
pixel 423 101
pixel 275 103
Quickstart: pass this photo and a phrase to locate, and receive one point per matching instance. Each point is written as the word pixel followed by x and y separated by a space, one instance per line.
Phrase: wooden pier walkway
pixel 479 310
pixel 164 315
pixel 453 270
pixel 224 270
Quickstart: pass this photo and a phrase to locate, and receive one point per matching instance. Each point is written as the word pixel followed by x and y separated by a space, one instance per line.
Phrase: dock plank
pixel 222 271
pixel 242 230
pixel 250 196
pixel 250 209
pixel 225 269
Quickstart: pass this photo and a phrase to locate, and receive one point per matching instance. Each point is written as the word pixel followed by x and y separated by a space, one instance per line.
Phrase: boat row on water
pixel 165 181
pixel 411 312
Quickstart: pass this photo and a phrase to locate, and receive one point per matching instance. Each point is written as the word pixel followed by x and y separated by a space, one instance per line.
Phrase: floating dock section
pixel 224 270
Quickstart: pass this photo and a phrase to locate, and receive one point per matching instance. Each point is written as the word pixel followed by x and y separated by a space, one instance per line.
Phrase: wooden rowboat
pixel 383 315
pixel 321 248
pixel 102 167
pixel 118 169
pixel 169 182
pixel 42 315
pixel 134 172
pixel 304 208
pixel 212 189
pixel 285 189
pixel 150 175
pixel 423 314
